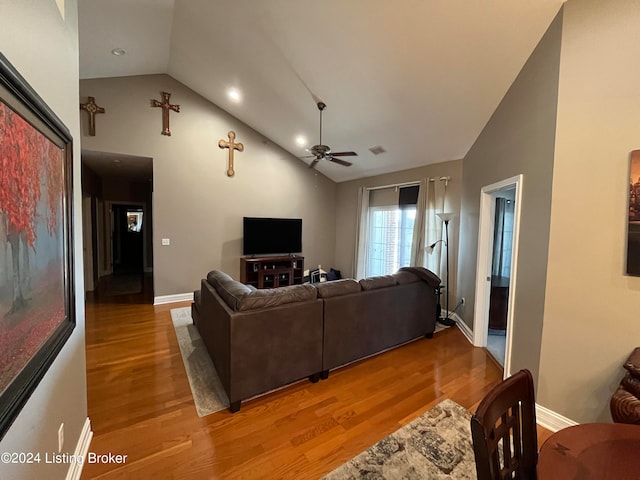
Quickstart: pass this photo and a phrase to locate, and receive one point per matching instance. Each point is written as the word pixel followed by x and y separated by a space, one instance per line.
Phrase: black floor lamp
pixel 446 218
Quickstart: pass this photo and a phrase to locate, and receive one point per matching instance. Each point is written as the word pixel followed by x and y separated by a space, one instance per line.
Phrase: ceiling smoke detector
pixel 377 150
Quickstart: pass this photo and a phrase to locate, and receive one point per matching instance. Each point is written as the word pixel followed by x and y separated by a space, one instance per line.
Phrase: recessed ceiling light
pixel 234 94
pixel 301 140
pixel 118 52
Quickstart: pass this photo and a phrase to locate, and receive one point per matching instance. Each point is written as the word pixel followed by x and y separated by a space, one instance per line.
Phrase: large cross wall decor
pixel 231 145
pixel 91 108
pixel 165 104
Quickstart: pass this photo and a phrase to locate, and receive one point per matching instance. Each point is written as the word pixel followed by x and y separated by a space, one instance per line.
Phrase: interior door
pixel 500 273
pixel 484 271
pixel 127 239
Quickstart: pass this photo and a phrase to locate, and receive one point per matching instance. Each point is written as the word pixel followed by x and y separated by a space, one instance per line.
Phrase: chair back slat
pixel 504 433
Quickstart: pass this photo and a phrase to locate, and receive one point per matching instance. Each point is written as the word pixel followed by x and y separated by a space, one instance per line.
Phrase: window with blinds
pixel 391 220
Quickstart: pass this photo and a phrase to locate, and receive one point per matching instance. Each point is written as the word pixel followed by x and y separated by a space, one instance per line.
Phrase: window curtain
pixel 502 238
pixel 362 227
pixel 419 232
pixel 428 228
pixel 435 203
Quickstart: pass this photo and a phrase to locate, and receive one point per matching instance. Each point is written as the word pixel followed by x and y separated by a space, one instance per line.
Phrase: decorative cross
pixel 231 145
pixel 91 108
pixel 166 106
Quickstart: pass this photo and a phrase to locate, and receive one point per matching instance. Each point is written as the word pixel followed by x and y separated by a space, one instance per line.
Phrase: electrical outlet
pixel 166 241
pixel 60 437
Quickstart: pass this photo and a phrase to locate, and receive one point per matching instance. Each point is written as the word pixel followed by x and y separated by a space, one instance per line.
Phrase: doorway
pixel 126 239
pixel 121 192
pixel 496 270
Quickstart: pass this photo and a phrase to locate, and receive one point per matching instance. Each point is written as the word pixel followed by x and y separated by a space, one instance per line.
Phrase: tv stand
pixel 271 272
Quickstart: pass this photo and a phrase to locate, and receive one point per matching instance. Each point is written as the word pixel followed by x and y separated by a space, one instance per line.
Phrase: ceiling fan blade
pixel 341 162
pixel 313 164
pixel 344 154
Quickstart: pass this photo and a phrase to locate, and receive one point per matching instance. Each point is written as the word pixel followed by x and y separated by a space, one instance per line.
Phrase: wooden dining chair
pixel 504 433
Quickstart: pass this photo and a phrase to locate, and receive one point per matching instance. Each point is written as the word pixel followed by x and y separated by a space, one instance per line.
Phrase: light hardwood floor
pixel 140 404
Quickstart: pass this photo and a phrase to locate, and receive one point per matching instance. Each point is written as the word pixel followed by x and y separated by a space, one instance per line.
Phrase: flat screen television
pixel 263 236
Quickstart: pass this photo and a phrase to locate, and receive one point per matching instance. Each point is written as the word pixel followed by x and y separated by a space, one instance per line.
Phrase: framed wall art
pixel 37 312
pixel 633 229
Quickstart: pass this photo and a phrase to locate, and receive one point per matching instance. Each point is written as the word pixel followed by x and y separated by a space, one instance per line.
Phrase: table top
pixel 592 451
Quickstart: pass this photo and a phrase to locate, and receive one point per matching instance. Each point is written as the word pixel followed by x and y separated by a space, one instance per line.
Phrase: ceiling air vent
pixel 377 150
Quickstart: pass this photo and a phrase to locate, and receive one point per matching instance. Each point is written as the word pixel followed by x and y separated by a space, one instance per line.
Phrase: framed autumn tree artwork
pixel 36 273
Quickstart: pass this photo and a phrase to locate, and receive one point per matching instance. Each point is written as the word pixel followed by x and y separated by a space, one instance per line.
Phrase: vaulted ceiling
pixel 419 78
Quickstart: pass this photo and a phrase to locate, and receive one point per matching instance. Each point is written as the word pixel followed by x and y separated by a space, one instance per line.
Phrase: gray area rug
pixel 123 285
pixel 208 393
pixel 436 445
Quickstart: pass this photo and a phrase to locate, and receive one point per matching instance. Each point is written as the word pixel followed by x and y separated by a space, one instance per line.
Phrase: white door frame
pixel 488 195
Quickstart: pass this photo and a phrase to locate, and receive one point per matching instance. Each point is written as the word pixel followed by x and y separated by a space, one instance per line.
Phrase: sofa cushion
pixel 216 276
pixel 271 297
pixel 232 292
pixel 403 277
pixel 373 283
pixel 337 288
pixel 229 289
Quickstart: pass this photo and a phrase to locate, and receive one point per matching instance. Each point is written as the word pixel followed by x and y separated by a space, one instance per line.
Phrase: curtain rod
pixel 395 185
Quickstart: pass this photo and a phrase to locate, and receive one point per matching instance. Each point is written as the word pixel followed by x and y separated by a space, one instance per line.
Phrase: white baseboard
pixel 177 297
pixel 466 331
pixel 544 417
pixel 551 420
pixel 82 449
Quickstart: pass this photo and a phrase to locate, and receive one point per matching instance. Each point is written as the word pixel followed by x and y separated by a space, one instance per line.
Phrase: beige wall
pixel 518 139
pixel 347 203
pixel 591 313
pixel 195 204
pixel 46 54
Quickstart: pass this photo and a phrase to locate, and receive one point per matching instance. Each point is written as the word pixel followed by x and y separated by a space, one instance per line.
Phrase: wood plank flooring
pixel 140 404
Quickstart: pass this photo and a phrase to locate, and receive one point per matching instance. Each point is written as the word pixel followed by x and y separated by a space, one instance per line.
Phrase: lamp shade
pixel 430 248
pixel 446 216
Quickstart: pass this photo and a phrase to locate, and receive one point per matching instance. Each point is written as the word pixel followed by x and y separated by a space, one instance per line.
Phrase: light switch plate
pixel 166 241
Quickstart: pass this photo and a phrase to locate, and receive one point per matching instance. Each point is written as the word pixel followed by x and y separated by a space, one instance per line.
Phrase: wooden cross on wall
pixel 231 145
pixel 91 108
pixel 166 106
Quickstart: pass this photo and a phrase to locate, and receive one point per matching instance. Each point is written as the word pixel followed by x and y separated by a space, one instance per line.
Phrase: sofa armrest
pixel 427 275
pixel 257 350
pixel 633 363
pixel 274 346
pixel 625 407
pixel 215 329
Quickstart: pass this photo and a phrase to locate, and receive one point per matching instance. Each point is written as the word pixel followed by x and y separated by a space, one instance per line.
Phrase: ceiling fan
pixel 320 151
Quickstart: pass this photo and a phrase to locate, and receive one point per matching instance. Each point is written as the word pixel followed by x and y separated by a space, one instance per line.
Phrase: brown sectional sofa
pixel 260 340
pixel 367 317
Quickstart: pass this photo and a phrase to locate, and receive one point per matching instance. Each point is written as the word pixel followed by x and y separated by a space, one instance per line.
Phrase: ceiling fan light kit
pixel 323 152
